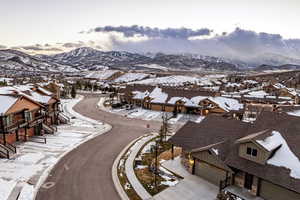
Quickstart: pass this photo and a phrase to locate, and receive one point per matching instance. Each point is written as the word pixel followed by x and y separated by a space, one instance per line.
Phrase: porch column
pixel 4 138
pixel 25 138
pixel 17 134
pixel 194 165
pixel 172 150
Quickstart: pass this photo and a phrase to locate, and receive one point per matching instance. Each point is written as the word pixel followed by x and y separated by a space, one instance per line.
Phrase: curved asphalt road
pixel 85 173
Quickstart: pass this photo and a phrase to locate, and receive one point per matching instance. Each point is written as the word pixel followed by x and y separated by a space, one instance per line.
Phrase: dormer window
pixel 251 151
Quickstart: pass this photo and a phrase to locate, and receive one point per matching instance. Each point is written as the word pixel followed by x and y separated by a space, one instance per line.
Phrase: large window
pixel 251 151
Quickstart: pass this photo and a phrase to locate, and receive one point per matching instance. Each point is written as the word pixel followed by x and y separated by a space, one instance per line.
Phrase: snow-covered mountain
pixel 85 57
pixel 16 60
pixel 88 58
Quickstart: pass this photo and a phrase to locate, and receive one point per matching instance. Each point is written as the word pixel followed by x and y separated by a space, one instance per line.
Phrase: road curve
pixel 88 172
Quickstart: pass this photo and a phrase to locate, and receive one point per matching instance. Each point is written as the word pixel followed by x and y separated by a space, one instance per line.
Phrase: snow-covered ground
pixel 144 114
pixel 129 77
pixel 34 160
pixel 175 81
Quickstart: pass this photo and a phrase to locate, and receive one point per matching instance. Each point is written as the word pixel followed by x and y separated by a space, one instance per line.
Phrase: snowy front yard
pixel 34 160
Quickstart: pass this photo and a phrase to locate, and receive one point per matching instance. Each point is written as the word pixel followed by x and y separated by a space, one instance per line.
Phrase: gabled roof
pixel 6 103
pixel 213 129
pixel 273 131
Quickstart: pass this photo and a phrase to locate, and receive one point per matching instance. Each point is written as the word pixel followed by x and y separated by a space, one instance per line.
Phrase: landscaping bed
pixel 154 179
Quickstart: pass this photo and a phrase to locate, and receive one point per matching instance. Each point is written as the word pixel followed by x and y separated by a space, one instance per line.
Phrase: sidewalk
pixel 190 188
pixel 138 187
pixel 26 172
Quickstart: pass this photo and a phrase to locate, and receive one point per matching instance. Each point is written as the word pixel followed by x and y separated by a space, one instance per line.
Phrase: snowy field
pixel 34 160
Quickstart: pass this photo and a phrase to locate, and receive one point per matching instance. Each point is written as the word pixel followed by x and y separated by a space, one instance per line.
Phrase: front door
pixel 248 181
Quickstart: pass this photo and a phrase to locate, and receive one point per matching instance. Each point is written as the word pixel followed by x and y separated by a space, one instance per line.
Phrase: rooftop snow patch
pixel 140 95
pixel 170 81
pixel 283 157
pixel 227 104
pixel 129 77
pixel 158 96
pixel 6 102
pixel 259 93
pixel 101 75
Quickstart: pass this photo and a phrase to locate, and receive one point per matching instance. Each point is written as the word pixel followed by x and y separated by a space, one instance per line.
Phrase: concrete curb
pixel 114 171
pixel 115 177
pixel 44 176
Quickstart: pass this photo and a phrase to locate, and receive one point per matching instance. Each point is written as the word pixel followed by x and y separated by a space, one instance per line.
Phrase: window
pixel 251 151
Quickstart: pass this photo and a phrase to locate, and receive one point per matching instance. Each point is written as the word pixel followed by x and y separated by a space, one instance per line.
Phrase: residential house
pixel 179 100
pixel 249 161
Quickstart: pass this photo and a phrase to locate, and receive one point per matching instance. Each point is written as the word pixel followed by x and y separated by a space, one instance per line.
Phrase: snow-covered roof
pixel 283 157
pixel 6 103
pixel 197 99
pixel 129 77
pixel 26 90
pixel 259 93
pixel 140 95
pixel 233 85
pixel 47 92
pixel 158 96
pixel 101 75
pixel 227 104
pixel 250 81
pixel 169 81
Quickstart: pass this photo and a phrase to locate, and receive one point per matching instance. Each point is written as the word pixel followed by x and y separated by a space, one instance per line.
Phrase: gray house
pixel 250 161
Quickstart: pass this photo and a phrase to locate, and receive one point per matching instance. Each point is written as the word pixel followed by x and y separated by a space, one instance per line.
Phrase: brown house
pixel 20 118
pixel 247 160
pixel 179 100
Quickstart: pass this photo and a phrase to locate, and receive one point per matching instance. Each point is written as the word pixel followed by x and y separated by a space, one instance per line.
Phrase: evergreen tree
pixel 73 91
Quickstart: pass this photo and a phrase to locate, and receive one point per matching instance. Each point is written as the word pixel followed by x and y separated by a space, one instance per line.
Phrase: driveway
pixel 85 173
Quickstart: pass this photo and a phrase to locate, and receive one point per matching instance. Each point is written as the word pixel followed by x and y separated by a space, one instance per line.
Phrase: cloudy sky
pixel 59 25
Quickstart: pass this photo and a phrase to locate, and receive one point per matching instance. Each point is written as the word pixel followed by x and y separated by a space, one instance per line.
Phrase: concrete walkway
pixel 190 188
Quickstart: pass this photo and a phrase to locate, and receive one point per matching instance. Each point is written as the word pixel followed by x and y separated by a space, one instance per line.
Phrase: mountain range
pixel 86 58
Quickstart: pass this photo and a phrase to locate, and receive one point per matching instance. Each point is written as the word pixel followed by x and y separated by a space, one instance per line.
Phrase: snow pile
pixel 158 96
pixel 283 157
pixel 129 77
pixel 27 192
pixel 6 188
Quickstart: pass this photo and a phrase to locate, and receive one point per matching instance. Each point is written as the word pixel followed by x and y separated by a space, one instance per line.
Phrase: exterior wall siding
pixel 22 104
pixel 209 158
pixel 156 107
pixel 261 157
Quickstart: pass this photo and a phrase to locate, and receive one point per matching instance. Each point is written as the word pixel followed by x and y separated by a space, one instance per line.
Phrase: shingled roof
pixel 213 129
pixel 216 130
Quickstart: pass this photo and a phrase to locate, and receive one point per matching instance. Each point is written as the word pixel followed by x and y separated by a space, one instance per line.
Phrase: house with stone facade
pixel 257 160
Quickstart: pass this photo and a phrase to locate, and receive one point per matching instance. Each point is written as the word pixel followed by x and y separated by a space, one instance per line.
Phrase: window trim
pixel 253 152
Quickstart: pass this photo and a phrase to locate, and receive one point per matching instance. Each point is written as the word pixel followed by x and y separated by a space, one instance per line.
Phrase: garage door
pixel 209 172
pixel 271 191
